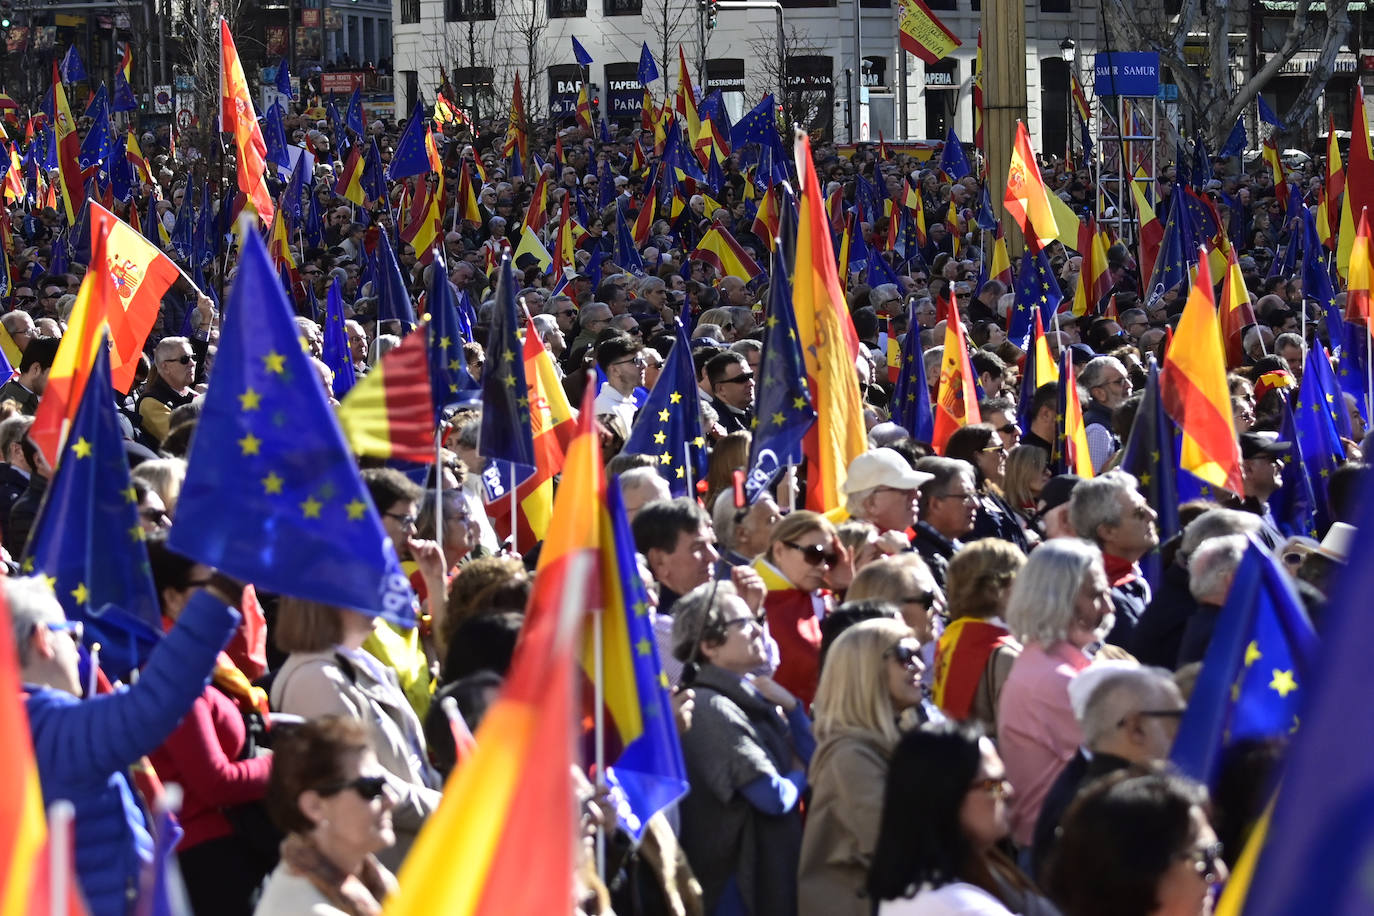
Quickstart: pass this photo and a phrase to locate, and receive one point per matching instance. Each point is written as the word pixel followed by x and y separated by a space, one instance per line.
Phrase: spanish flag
pixel 349 184
pixel 511 803
pixel 467 200
pixel 537 212
pixel 830 346
pixel 68 151
pixel 238 118
pixel 516 144
pixel 552 419
pixel 961 655
pixel 1071 454
pixel 584 108
pixel 957 398
pixel 14 177
pixel 1196 397
pixel 432 151
pixel 687 97
pixel 1360 289
pixel 1025 198
pixel 141 275
pixel 1236 312
pixel 1151 230
pixel 390 413
pixel 134 154
pixel 923 34
pixel 719 249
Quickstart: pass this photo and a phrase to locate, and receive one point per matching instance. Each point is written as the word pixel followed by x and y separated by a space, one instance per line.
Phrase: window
pixel 943 4
pixel 1055 6
pixel 567 9
pixel 410 12
pixel 469 10
pixel 621 7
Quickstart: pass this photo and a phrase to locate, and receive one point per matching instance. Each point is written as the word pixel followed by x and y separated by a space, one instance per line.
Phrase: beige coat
pixel 313 684
pixel 848 773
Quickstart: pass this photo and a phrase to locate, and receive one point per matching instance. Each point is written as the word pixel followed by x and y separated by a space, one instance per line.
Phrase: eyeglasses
pixel 997 788
pixel 738 379
pixel 1204 860
pixel 1009 429
pixel 407 521
pixel 744 622
pixel 904 655
pixel 568 312
pixel 962 497
pixel 369 788
pixel 925 599
pixel 25 298
pixel 1114 382
pixel 639 360
pixel 184 359
pixel 994 447
pixel 814 554
pixel 74 628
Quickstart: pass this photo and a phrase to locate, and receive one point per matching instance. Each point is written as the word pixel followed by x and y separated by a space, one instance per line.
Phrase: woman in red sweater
pixel 801 550
pixel 211 755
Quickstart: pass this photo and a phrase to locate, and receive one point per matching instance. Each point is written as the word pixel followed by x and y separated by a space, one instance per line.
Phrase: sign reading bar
pixel 564 82
pixel 1133 74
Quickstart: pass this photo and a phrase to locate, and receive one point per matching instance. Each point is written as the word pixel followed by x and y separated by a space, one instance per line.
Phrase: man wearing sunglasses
pixel 881 487
pixel 176 371
pixel 732 390
pixel 84 748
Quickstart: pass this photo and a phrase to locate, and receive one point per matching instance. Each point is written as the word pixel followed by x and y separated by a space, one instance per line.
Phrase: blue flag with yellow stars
pixel 648 70
pixel 506 432
pixel 449 381
pixel 1036 288
pixel 96 146
pixel 274 137
pixel 1352 364
pixel 272 496
pixel 374 174
pixel 1315 429
pixel 911 395
pixel 953 162
pixel 782 407
pixel 668 427
pixel 393 299
pixel 1171 265
pixel 1332 396
pixel 409 156
pixel 335 351
pixel 1149 455
pixel 353 115
pixel 1294 503
pixel 1262 654
pixel 87 540
pixel 284 85
pixel 650 773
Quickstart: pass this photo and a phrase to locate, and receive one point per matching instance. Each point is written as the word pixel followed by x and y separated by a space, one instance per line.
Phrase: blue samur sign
pixel 1134 74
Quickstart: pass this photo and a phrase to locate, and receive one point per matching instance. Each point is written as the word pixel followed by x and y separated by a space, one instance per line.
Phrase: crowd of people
pixel 955 692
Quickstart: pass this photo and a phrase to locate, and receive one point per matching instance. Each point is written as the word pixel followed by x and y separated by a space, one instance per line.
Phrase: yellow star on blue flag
pixel 682 460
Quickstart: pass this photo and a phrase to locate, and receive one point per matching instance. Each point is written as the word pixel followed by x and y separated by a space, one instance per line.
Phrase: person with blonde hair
pixel 802 548
pixel 906 581
pixel 976 650
pixel 871 676
pixel 1028 470
pixel 164 476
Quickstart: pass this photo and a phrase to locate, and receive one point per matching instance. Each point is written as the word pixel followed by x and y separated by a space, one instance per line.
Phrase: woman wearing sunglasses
pixel 872 675
pixel 802 548
pixel 1137 844
pixel 942 831
pixel 331 798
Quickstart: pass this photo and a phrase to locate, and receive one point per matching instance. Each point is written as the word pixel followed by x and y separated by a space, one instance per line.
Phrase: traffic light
pixel 594 94
pixel 6 8
pixel 712 10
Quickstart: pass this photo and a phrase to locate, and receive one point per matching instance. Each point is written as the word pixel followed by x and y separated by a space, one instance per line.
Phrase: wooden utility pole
pixel 1004 98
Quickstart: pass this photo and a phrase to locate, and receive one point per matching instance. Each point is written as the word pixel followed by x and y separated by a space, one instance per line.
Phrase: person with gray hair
pixel 948 508
pixel 1159 633
pixel 1211 570
pixel 1109 386
pixel 1109 511
pixel 1060 608
pixel 883 297
pixel 640 486
pixel 746 754
pixel 1129 715
pixel 1292 349
pixel 552 337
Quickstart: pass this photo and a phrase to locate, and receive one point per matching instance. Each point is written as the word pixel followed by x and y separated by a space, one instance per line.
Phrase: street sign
pixel 184 117
pixel 1132 74
pixel 162 99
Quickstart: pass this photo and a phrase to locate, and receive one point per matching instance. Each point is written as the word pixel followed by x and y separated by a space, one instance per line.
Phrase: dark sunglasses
pixel 903 654
pixel 369 788
pixel 183 359
pixel 738 380
pixel 1009 429
pixel 25 298
pixel 816 554
pixel 924 599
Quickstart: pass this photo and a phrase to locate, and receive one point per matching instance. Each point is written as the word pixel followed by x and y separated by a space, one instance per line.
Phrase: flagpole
pixel 687 468
pixel 789 480
pixel 599 698
pixel 60 817
pixel 92 676
pixel 1368 375
pixel 439 495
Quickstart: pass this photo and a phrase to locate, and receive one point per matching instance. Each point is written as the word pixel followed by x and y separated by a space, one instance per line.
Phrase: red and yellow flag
pixel 923 34
pixel 141 274
pixel 14 178
pixel 238 117
pixel 515 132
pixel 537 212
pixel 1025 198
pixel 956 400
pixel 1046 369
pixel 686 96
pixel 511 802
pixel 467 198
pixel 830 346
pixel 719 249
pixel 1071 434
pixel 349 184
pixel 1360 288
pixel 552 420
pixel 390 412
pixel 1151 230
pixel 68 151
pixel 1236 313
pixel 1196 397
pixel 584 108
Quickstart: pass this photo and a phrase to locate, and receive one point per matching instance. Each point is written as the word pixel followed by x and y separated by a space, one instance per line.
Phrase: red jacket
pixel 792 621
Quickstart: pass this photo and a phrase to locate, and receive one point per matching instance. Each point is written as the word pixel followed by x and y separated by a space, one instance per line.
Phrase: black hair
pixel 41 352
pixel 920 837
pixel 615 348
pixel 659 524
pixel 718 365
pixel 170 569
pixel 1047 395
pixel 1117 840
pixel 1343 490
pixel 485 642
pixel 388 486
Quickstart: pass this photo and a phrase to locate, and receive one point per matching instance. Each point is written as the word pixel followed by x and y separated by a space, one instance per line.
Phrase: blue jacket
pixel 84 750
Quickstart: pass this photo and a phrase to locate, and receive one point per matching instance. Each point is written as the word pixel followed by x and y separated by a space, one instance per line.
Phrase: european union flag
pixel 96 146
pixel 627 255
pixel 782 407
pixel 1236 141
pixel 605 188
pixel 953 162
pixel 274 136
pixel 152 221
pixel 124 98
pixel 293 198
pixel 759 125
pixel 1036 290
pixel 284 80
pixel 336 126
pixel 73 70
pixel 668 427
pixel 985 217
pixel 1352 364
pixel 911 395
pixel 336 352
pixel 183 230
pixel 650 774
pixel 1149 455
pixel 1171 265
pixel 409 157
pixel 1314 431
pixel 1317 857
pixel 374 175
pixel 1262 655
pixel 268 444
pixel 1316 271
pixel 1267 114
pixel 353 116
pixel 648 70
pixel 448 368
pixel 87 540
pixel 1332 396
pixel 314 220
pixel 505 434
pixel 1294 503
pixel 122 180
pixel 879 271
pixel 393 299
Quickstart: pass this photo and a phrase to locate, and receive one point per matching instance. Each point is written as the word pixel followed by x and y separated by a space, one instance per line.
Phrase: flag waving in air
pixel 238 118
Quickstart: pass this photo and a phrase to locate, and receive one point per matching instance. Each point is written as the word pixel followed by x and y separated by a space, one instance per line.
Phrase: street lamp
pixel 1066 49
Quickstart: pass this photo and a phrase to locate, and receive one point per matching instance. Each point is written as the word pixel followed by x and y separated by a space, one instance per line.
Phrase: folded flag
pixel 390 413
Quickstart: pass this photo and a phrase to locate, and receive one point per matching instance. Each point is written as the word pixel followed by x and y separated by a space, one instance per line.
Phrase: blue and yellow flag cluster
pixel 1263 653
pixel 506 432
pixel 782 408
pixel 1036 288
pixel 336 352
pixel 268 445
pixel 448 369
pixel 1150 456
pixel 911 394
pixel 669 425
pixel 87 540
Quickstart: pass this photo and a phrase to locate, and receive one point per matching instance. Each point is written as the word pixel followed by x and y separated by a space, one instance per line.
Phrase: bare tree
pixel 804 104
pixel 526 21
pixel 1214 95
pixel 198 30
pixel 467 43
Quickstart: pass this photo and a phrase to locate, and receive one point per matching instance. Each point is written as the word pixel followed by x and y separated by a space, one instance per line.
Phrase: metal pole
pixel 858 68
